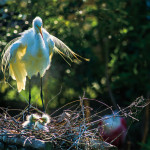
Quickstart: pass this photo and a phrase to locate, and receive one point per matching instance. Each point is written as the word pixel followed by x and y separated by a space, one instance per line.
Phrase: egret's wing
pixel 13 54
pixel 65 51
pixel 6 55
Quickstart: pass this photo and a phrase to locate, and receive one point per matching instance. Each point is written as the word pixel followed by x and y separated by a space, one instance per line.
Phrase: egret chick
pixel 30 122
pixel 41 124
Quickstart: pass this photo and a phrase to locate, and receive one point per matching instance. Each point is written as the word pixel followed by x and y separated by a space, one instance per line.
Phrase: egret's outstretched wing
pixel 65 51
pixel 6 55
pixel 13 55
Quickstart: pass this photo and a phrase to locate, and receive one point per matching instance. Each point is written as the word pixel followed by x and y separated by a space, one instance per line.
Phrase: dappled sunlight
pixel 113 35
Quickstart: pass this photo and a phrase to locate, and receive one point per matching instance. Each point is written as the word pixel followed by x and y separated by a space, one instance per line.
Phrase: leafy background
pixel 113 34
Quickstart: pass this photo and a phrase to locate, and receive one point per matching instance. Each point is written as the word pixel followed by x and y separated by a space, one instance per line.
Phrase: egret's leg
pixel 29 94
pixel 42 96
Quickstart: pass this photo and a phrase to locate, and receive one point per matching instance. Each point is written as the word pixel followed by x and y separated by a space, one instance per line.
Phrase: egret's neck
pixel 39 45
pixel 39 39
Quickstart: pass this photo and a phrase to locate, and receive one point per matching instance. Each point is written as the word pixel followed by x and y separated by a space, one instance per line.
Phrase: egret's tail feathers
pixel 76 55
pixel 62 55
pixel 70 55
pixel 65 50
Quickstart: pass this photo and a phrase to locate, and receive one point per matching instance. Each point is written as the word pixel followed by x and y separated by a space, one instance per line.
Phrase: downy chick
pixel 30 121
pixel 41 124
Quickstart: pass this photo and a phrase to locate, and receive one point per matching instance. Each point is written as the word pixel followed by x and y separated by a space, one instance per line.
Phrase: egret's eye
pixel 39 26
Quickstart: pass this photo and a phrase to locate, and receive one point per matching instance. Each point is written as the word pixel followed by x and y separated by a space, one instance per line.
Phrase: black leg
pixel 42 96
pixel 29 95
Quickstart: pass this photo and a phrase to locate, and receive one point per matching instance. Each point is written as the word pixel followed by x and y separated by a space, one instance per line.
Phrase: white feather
pixel 32 53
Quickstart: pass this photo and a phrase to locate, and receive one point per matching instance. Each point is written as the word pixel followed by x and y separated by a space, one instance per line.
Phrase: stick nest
pixel 75 127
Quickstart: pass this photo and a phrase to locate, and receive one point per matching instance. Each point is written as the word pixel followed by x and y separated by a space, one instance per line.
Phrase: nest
pixel 72 129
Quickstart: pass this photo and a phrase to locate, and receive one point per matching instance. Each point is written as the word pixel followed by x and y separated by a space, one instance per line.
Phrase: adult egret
pixel 30 122
pixel 113 129
pixel 32 53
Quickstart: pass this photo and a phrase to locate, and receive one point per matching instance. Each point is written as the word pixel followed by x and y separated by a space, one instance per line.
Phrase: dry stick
pixel 82 130
pixel 110 107
pixel 53 97
pixel 82 109
pixel 9 115
pixel 78 138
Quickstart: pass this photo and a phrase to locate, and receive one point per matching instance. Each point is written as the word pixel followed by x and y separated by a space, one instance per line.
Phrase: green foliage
pixel 109 33
pixel 145 146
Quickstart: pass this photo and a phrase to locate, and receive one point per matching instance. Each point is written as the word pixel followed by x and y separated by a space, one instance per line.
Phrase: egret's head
pixel 45 119
pixel 37 25
pixel 33 118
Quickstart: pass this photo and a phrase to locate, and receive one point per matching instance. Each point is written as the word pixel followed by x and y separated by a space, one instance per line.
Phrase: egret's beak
pixel 41 119
pixel 40 29
pixel 35 119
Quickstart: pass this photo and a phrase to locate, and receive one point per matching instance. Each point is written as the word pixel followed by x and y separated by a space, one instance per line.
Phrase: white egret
pixel 41 124
pixel 32 53
pixel 30 122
